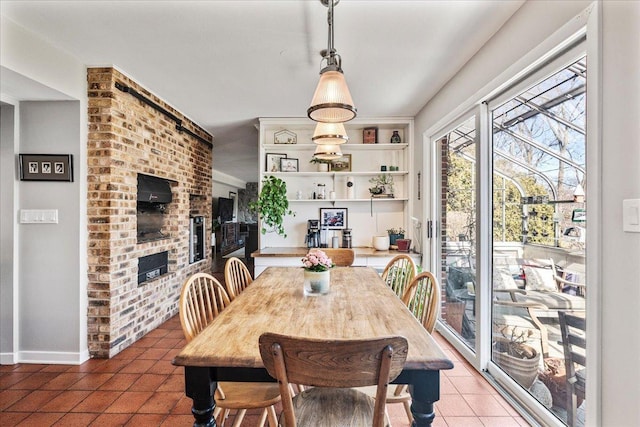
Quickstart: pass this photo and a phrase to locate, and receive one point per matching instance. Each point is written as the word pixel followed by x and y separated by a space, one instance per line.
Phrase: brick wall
pixel 127 137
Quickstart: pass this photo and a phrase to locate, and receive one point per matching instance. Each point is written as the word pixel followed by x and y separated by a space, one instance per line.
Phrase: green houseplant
pixel 272 205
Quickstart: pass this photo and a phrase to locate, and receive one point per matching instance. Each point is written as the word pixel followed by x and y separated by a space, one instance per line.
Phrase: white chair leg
pixel 387 420
pixel 272 416
pixel 239 417
pixel 407 409
pixel 263 418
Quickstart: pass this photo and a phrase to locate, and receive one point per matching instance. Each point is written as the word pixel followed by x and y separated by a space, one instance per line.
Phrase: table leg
pixel 200 388
pixel 425 390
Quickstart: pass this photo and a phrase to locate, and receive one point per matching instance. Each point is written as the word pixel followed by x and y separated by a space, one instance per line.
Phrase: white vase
pixel 316 282
pixel 381 243
pixel 323 167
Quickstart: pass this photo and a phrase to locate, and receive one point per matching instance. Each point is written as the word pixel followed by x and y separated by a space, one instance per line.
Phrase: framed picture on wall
pixel 342 164
pixel 289 165
pixel 46 167
pixel 333 218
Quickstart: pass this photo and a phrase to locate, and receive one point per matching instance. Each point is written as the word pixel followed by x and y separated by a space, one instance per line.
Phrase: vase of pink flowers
pixel 317 277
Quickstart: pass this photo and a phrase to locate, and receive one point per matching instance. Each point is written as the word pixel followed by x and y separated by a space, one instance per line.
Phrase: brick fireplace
pixel 128 137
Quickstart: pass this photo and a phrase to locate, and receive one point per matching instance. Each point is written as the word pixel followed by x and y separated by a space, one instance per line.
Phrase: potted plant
pixel 272 205
pixel 316 272
pixel 395 234
pixel 323 164
pixel 518 359
pixel 382 183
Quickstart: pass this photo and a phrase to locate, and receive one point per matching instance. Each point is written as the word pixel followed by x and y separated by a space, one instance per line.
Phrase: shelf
pixel 368 199
pixel 332 174
pixel 344 147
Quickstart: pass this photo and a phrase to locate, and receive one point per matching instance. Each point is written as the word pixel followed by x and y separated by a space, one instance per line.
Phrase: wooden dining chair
pixel 399 272
pixel 341 257
pixel 236 277
pixel 573 330
pixel 201 300
pixel 422 298
pixel 331 367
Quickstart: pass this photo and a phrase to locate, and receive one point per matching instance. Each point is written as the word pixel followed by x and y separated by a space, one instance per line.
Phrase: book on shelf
pixel 382 196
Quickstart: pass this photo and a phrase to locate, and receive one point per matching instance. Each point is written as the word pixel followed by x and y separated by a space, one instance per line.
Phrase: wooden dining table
pixel 359 305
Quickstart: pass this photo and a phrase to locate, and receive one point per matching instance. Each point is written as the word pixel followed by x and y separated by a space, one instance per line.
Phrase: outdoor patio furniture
pixel 573 329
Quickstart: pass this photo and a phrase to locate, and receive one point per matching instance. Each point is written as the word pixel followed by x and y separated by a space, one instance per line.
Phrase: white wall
pixel 51 259
pixel 618 255
pixel 8 115
pixel 620 251
pixel 48 258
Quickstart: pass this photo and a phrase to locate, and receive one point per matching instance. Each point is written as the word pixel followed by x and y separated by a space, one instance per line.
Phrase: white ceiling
pixel 226 63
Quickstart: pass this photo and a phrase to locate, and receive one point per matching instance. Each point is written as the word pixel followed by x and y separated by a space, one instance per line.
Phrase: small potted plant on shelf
pixel 395 234
pixel 323 164
pixel 272 205
pixel 382 184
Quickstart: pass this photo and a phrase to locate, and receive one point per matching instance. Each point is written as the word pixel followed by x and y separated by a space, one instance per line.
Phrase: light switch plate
pixel 631 215
pixel 38 216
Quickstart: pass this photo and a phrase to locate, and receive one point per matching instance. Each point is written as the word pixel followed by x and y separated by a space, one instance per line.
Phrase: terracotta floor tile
pixel 154 353
pixel 76 420
pixel 120 382
pixel 33 401
pixel 158 333
pixel 512 412
pixel 148 382
pixel 463 422
pixel 173 383
pixel 471 385
pixel 183 407
pixel 91 381
pixel 10 419
pixel 42 419
pixel 111 420
pixel 63 381
pixel 56 368
pixel 499 422
pixel 11 378
pixel 140 420
pixel 97 401
pixel 485 405
pixel 179 420
pixel 147 342
pixel 66 401
pixel 9 397
pixel 129 402
pixel 35 381
pixel 160 403
pixel 176 334
pixel 137 367
pixel 111 366
pixel 171 354
pixel 453 405
pixel 460 369
pixel 28 367
pixel 447 387
pixel 131 353
pixel 88 366
pixel 168 342
pixel 165 367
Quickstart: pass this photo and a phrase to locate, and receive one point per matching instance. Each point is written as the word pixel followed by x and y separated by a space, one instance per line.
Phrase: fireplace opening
pixel 154 195
pixel 152 266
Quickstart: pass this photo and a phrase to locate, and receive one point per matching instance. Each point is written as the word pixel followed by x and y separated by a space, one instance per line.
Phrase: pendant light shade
pixel 330 133
pixel 327 152
pixel 332 102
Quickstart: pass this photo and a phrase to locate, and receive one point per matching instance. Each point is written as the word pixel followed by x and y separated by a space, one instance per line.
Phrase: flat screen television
pixel 225 209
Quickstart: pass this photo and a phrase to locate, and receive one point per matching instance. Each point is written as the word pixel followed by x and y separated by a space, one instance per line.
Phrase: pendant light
pixel 327 152
pixel 332 102
pixel 330 133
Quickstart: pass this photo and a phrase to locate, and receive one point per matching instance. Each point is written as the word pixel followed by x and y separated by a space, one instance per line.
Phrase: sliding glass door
pixel 511 187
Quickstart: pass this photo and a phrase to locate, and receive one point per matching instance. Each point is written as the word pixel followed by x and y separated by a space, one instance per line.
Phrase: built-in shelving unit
pixel 366 216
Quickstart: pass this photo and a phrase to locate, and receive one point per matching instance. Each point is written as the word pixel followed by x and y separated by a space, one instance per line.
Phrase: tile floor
pixel 140 387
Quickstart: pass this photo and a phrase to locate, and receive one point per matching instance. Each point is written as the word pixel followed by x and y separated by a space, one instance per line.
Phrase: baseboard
pixel 53 357
pixel 8 359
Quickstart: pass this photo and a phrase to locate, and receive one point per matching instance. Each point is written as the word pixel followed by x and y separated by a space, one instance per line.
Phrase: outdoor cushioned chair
pixel 573 329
